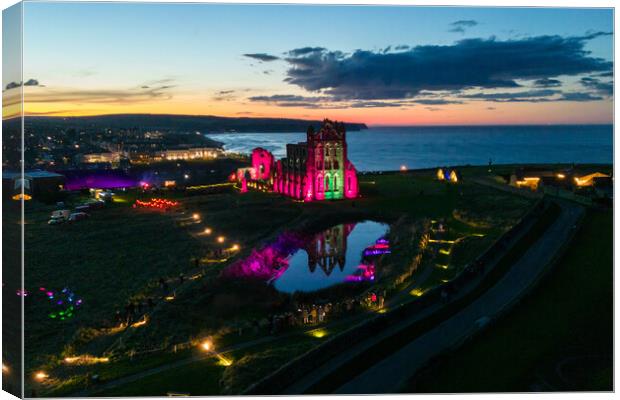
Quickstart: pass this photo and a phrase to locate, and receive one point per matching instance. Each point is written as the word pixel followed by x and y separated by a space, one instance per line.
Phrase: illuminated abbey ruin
pixel 317 169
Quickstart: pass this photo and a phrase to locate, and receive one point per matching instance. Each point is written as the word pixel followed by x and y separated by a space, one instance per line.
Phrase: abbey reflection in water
pixel 308 262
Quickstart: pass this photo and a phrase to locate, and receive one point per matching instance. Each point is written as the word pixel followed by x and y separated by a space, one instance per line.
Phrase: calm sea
pixel 423 147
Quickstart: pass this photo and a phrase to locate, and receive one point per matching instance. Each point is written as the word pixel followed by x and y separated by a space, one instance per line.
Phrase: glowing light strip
pixel 86 360
pixel 199 187
pixel 441 241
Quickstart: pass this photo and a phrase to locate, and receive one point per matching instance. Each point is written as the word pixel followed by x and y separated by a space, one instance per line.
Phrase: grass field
pixel 119 254
pixel 557 338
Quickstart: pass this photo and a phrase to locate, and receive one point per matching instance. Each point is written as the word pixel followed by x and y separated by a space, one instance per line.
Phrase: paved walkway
pixel 392 373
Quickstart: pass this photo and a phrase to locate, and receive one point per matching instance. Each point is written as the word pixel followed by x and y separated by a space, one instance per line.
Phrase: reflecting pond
pixel 298 262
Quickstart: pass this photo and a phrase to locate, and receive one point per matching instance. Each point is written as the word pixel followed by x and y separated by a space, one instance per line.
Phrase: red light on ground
pixel 156 203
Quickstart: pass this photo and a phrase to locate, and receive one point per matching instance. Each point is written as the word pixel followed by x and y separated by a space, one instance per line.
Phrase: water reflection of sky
pixel 298 276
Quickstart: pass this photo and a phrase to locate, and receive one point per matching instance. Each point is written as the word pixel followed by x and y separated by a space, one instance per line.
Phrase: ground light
pixel 221 239
pixel 5 368
pixel 140 323
pixel 317 333
pixel 41 376
pixel 441 241
pixel 206 345
pixel 86 359
pixel 208 231
pixel 417 292
pixel 225 362
pixel 403 168
pixel 196 216
pixel 235 247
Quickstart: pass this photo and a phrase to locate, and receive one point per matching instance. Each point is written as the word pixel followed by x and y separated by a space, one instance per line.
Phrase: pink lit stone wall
pixel 325 174
pixel 262 162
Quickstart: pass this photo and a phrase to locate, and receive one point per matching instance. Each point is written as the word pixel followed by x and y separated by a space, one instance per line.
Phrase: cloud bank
pixel 470 63
pixel 515 70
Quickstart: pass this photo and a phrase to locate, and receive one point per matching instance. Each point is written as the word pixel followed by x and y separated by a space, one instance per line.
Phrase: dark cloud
pixel 29 82
pixel 302 51
pixel 262 57
pixel 377 104
pixel 224 95
pixel 528 95
pixel 461 25
pixel 436 101
pixel 533 96
pixel 324 102
pixel 577 96
pixel 547 82
pixel 12 85
pixel 471 63
pixel 603 88
pixel 401 47
pixel 609 74
pixel 284 97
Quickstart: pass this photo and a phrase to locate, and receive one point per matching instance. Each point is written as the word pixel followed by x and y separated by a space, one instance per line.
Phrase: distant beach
pixel 388 148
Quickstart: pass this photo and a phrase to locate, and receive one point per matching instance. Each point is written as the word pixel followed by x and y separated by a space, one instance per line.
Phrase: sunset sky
pixel 378 65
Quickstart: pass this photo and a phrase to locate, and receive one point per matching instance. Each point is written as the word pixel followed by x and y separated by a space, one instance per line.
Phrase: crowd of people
pixel 314 314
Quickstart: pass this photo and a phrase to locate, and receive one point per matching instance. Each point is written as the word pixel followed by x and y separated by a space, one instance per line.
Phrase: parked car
pixel 77 216
pixel 56 221
pixel 95 204
pixel 82 208
pixel 60 214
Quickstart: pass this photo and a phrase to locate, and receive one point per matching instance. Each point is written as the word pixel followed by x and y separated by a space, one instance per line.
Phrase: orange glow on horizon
pixel 472 113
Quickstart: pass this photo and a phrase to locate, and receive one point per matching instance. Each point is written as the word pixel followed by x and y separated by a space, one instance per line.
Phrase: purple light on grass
pixel 105 179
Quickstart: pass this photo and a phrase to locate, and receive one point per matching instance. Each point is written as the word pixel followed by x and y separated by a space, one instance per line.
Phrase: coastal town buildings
pixel 192 153
pixel 109 157
pixel 317 169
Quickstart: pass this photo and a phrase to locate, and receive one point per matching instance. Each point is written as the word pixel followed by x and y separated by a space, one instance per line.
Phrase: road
pixel 391 374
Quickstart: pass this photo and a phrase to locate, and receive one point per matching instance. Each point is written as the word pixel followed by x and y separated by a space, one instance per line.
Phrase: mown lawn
pixel 197 378
pixel 560 337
